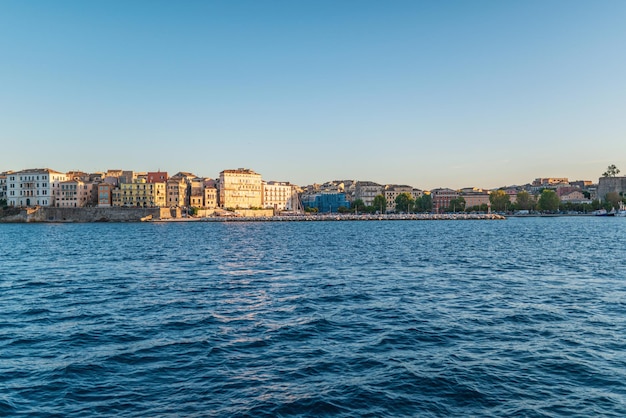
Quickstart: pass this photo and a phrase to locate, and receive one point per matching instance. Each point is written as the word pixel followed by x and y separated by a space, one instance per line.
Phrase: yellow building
pixel 240 189
pixel 139 194
pixel 392 191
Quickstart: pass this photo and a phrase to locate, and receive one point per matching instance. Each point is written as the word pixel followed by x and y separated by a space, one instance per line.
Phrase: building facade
pixel 325 202
pixel 240 189
pixel 3 186
pixel 76 194
pixel 391 192
pixel 442 198
pixel 139 194
pixel 279 196
pixel 105 195
pixel 34 187
pixel 367 191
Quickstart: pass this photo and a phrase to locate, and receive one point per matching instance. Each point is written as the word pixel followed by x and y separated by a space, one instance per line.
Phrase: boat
pixel 603 212
pixel 622 210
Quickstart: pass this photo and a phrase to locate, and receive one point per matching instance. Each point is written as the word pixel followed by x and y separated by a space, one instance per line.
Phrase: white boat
pixel 622 209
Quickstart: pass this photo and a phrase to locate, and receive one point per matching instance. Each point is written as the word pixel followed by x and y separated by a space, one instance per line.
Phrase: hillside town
pixel 243 189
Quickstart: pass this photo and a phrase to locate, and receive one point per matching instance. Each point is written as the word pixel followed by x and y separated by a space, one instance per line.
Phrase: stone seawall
pixel 46 214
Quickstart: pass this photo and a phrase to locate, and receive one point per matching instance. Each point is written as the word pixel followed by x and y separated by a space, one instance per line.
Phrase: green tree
pixel 499 200
pixel 613 198
pixel 380 203
pixel 548 201
pixel 404 202
pixel 457 204
pixel 611 171
pixel 3 203
pixel 358 205
pixel 424 203
pixel 524 201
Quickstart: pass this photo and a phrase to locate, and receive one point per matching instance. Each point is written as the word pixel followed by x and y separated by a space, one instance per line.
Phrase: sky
pixel 426 93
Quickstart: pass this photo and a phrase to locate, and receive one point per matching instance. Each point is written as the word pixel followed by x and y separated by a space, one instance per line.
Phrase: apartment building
pixel 139 194
pixel 392 191
pixel 76 194
pixel 34 187
pixel 367 191
pixel 105 195
pixel 279 196
pixel 442 197
pixel 240 189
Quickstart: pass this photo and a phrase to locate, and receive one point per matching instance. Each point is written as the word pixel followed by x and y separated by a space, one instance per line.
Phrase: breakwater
pixel 119 214
pixel 343 217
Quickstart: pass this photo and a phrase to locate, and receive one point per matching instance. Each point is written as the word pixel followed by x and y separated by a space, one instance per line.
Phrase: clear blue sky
pixel 427 93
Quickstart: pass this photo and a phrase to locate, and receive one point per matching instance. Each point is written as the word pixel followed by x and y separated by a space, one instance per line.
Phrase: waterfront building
pixel 139 194
pixel 474 197
pixel 177 192
pixel 3 185
pixel 197 196
pixel 279 196
pixel 392 191
pixel 240 189
pixel 105 194
pixel 34 187
pixel 325 202
pixel 367 191
pixel 76 194
pixel 210 197
pixel 442 198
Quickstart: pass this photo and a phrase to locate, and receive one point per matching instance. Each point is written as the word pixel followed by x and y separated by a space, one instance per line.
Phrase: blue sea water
pixel 523 317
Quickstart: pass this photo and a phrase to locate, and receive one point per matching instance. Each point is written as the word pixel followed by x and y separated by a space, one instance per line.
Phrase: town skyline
pixel 447 94
pixel 289 180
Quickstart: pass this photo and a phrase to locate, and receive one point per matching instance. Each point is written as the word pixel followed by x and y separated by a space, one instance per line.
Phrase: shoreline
pixel 336 217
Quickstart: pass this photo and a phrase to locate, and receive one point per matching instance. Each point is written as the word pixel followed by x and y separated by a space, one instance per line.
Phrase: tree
pixel 380 203
pixel 611 171
pixel 457 204
pixel 3 203
pixel 424 203
pixel 548 201
pixel 404 202
pixel 358 205
pixel 524 201
pixel 613 198
pixel 500 200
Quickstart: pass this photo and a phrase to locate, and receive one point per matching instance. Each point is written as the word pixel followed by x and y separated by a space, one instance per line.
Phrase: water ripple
pixel 525 317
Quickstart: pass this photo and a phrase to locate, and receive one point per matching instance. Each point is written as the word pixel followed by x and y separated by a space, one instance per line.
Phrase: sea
pixel 524 317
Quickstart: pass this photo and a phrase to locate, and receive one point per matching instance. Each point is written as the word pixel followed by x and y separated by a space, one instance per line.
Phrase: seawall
pixel 112 214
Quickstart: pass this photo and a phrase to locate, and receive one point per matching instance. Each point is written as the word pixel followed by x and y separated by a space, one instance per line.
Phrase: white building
pixel 34 187
pixel 279 196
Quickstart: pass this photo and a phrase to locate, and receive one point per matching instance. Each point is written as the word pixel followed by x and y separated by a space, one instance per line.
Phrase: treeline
pixel 500 201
